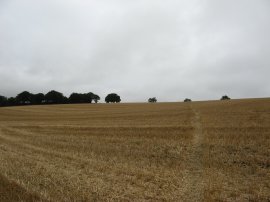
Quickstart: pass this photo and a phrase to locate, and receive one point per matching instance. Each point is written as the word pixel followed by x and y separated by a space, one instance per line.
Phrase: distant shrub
pixel 153 99
pixel 225 97
pixel 187 100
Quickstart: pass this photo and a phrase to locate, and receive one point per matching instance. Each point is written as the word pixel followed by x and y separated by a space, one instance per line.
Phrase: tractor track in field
pixel 193 175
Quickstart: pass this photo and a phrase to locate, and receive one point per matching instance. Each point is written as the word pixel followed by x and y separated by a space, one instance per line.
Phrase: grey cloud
pixel 139 49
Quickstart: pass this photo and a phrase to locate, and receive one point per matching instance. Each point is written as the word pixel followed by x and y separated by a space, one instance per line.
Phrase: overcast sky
pixel 171 49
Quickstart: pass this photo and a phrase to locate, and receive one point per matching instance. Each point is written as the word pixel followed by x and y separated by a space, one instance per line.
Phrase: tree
pixel 89 97
pixel 3 101
pixel 24 98
pixel 83 98
pixel 76 98
pixel 96 98
pixel 113 97
pixel 65 100
pixel 38 98
pixel 225 97
pixel 11 101
pixel 54 97
pixel 187 100
pixel 153 99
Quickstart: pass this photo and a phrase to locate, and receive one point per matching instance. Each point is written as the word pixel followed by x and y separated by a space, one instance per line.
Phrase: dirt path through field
pixel 193 177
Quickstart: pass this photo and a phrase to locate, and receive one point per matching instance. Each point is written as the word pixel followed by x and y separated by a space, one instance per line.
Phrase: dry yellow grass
pixel 200 151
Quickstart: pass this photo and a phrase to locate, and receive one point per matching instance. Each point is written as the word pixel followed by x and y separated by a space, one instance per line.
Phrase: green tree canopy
pixel 225 97
pixel 96 98
pixel 24 98
pixel 3 100
pixel 76 98
pixel 112 97
pixel 38 98
pixel 187 100
pixel 54 97
pixel 11 101
pixel 153 99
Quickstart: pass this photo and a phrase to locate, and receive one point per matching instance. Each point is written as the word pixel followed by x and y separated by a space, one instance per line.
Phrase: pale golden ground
pixel 200 151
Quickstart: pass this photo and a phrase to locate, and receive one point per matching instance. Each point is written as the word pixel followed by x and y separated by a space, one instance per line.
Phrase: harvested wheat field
pixel 199 151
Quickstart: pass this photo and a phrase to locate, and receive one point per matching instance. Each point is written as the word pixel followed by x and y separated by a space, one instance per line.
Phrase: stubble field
pixel 199 151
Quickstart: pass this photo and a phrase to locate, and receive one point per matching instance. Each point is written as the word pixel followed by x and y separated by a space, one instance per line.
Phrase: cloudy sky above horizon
pixel 200 49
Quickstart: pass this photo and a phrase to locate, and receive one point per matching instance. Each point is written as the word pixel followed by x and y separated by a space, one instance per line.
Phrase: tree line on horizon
pixel 52 97
pixel 55 97
pixel 154 99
